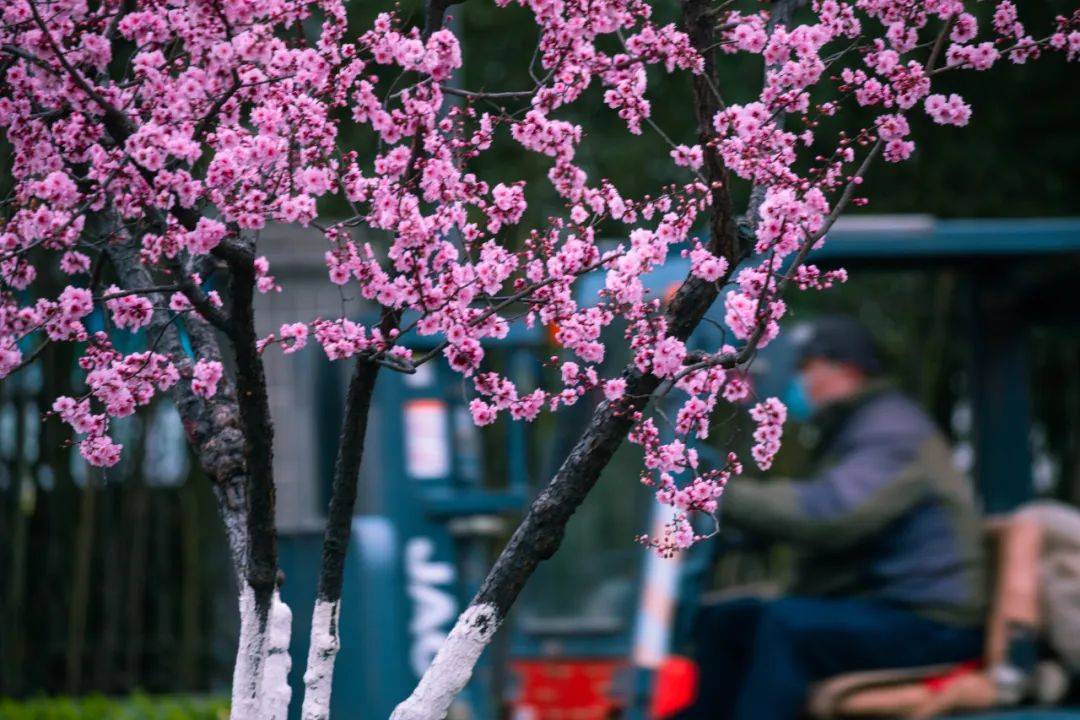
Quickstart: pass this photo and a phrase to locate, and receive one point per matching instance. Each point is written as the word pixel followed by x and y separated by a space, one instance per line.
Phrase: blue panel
pixel 955 238
pixel 373 625
pixel 298 558
pixel 1000 395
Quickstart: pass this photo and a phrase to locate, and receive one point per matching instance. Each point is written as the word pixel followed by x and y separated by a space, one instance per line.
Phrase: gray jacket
pixel 885 515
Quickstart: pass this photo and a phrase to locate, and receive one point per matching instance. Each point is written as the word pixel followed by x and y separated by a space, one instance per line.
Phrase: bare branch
pixel 939 43
pixel 483 95
pixel 137 291
pixel 28 360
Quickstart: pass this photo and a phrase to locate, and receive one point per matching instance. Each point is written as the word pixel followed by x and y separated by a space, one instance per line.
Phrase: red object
pixel 940 682
pixel 676 687
pixel 585 689
pixel 565 689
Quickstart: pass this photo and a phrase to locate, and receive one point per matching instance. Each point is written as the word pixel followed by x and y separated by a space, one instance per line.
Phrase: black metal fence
pixel 110 580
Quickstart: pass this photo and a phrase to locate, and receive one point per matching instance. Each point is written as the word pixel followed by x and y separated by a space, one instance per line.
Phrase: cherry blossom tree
pixel 152 140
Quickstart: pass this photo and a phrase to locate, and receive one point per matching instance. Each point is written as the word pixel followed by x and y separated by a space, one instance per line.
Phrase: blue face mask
pixel 799 405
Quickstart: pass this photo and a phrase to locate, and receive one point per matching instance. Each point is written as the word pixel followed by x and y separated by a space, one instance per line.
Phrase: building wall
pixel 296 261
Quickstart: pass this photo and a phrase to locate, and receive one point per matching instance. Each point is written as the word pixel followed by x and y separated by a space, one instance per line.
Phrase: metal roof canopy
pixel 893 239
pixel 1004 302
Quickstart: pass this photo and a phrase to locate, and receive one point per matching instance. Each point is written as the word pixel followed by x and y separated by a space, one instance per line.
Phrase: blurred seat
pixel 926 692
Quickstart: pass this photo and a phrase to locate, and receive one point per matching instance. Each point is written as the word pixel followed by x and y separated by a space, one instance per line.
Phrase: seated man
pixel 892 573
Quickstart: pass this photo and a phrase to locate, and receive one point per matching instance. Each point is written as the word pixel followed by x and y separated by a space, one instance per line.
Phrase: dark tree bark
pixel 346 471
pixel 231 434
pixel 258 432
pixel 325 641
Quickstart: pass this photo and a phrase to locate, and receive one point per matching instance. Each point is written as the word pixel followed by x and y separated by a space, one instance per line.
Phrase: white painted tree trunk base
pixel 249 659
pixel 452 667
pixel 260 679
pixel 275 693
pixel 322 653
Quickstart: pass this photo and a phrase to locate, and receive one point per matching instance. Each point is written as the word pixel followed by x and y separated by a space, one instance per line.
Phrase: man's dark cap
pixel 838 338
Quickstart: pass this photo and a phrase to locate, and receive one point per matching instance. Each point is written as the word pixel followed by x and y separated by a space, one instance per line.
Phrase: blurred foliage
pixel 96 707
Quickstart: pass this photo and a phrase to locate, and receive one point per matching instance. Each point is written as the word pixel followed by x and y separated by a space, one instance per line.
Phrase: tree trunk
pixel 325 641
pixel 232 438
pixel 264 618
pixel 212 425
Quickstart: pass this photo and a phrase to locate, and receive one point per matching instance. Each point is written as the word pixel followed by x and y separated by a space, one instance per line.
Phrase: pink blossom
pixel 58 189
pixel 293 336
pixel 73 262
pixel 770 415
pixel 687 156
pixel 10 356
pixel 178 302
pixel 707 266
pixel 100 451
pixel 614 388
pixel 668 357
pixel 965 27
pixel 205 377
pixel 948 111
pixel 1005 19
pixel 75 303
pixel 570 373
pixel 205 237
pixel 508 208
pixel 482 413
pixel 264 281
pixel 129 311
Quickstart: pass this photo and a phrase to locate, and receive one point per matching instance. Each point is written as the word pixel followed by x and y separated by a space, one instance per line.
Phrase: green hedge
pixel 138 707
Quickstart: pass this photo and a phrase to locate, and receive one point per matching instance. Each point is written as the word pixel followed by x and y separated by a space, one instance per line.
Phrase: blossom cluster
pixel 118 384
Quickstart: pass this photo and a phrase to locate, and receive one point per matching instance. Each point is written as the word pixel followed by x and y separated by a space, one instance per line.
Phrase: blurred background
pixel 118 583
